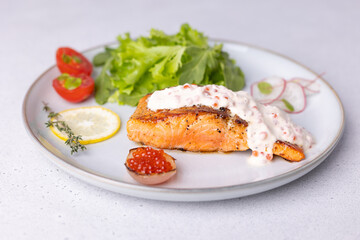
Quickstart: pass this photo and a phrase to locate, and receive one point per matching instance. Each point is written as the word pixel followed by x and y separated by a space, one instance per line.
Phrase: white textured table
pixel 39 201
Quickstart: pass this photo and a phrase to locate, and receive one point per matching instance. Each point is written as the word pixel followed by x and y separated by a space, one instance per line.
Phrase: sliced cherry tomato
pixel 74 88
pixel 72 62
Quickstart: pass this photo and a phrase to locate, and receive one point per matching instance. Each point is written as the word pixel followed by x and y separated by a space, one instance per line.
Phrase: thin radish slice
pixel 268 90
pixel 293 100
pixel 310 86
pixel 302 81
pixel 310 91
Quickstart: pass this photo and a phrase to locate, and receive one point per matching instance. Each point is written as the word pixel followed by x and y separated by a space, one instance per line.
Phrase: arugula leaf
pixel 101 58
pixel 103 85
pixel 193 71
pixel 233 76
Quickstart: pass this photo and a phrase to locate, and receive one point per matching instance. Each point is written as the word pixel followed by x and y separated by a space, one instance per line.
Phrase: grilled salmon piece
pixel 202 129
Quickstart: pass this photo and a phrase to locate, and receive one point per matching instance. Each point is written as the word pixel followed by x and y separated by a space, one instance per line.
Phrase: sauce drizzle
pixel 266 123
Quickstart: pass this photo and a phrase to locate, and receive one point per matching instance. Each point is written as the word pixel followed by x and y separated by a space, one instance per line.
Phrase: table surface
pixel 39 201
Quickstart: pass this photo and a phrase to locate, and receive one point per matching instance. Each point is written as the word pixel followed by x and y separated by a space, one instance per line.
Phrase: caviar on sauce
pixel 266 123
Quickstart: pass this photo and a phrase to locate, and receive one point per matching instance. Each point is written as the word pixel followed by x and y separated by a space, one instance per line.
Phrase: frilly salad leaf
pixel 141 66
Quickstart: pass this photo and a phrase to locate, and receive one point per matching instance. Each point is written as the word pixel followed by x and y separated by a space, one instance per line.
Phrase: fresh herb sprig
pixel 73 140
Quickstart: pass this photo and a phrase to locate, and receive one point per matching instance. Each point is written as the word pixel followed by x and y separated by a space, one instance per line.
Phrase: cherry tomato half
pixel 72 62
pixel 74 88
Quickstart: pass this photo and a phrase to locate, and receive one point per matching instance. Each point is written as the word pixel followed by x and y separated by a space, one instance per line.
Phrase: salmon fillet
pixel 202 129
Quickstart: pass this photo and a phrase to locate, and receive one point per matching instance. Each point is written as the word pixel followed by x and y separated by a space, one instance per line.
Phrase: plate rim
pixel 83 172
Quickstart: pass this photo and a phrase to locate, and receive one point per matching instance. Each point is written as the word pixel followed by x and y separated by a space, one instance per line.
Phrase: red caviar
pixel 148 160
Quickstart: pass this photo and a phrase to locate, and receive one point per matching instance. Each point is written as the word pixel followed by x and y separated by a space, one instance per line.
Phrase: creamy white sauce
pixel 266 124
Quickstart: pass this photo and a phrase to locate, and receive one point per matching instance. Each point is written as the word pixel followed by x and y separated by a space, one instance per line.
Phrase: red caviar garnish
pixel 275 115
pixel 215 104
pixel 148 160
pixel 217 97
pixel 186 86
pixel 226 97
pixel 255 153
pixel 207 89
pixel 269 157
pixel 294 138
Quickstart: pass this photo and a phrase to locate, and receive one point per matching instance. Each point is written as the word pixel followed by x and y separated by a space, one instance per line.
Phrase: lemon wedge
pixel 94 124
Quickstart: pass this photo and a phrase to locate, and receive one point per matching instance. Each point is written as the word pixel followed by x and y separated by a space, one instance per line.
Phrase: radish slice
pixel 268 90
pixel 302 81
pixel 293 100
pixel 310 86
pixel 289 95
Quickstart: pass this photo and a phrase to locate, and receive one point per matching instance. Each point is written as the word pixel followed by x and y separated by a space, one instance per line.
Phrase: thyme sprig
pixel 73 140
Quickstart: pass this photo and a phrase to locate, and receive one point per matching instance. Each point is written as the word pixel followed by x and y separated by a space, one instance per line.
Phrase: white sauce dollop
pixel 266 124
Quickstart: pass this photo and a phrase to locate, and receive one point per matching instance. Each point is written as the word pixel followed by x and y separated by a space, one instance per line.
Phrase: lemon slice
pixel 94 124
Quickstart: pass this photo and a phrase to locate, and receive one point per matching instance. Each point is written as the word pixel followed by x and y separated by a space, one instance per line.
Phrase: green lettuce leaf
pixel 146 64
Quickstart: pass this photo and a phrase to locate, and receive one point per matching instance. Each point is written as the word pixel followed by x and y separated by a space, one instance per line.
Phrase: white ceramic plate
pixel 200 176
